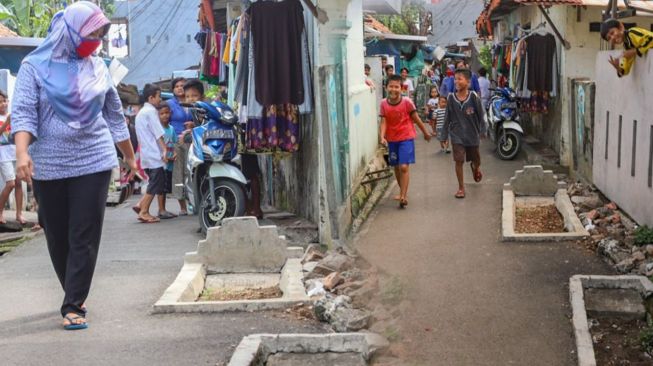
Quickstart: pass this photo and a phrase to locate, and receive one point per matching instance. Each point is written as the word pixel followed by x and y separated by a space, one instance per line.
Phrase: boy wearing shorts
pixel 398 132
pixel 153 150
pixel 464 124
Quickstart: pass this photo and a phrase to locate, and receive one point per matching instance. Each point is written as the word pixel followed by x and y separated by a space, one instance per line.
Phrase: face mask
pixel 86 46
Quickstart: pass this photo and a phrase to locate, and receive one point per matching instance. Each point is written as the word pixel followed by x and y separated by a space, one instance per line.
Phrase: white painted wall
pixel 630 98
pixel 362 108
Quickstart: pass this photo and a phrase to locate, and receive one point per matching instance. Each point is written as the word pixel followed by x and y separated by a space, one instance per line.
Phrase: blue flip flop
pixel 72 325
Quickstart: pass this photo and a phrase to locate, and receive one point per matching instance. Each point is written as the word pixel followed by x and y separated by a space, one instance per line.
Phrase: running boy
pixel 464 123
pixel 637 41
pixel 398 133
pixel 153 151
pixel 170 141
pixel 439 124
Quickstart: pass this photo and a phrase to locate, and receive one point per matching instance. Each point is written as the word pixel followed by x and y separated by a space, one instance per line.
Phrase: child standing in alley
pixel 398 132
pixel 7 164
pixel 464 123
pixel 431 106
pixel 439 124
pixel 153 151
pixel 170 141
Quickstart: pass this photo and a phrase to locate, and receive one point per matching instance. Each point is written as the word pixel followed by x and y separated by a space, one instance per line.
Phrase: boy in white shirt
pixel 153 150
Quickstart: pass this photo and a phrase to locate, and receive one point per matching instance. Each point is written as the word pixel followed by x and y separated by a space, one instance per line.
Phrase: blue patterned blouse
pixel 57 150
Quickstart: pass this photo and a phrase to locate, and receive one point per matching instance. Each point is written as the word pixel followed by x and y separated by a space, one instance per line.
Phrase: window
pixel 188 38
pixel 148 39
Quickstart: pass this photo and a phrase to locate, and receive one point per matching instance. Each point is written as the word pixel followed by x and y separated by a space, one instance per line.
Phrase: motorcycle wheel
pixel 230 200
pixel 508 144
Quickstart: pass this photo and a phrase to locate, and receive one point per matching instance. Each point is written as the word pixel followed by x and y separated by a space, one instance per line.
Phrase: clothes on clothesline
pixel 273 127
pixel 530 66
pixel 278 27
pixel 541 50
pixel 269 85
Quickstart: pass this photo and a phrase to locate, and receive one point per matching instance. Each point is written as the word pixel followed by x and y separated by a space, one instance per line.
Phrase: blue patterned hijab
pixel 76 87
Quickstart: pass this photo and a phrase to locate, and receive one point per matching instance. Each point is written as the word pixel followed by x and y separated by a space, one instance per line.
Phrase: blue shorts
pixel 401 152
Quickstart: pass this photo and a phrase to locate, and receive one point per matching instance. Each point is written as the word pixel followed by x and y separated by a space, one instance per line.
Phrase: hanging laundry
pixel 278 26
pixel 541 53
pixel 277 130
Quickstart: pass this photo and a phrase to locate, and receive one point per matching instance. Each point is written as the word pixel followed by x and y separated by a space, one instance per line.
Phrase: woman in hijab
pixel 67 117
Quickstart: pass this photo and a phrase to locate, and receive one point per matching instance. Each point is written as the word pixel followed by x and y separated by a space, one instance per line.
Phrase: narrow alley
pixel 473 300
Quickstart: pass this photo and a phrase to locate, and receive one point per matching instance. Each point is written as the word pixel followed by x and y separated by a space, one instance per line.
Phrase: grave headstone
pixel 240 245
pixel 533 180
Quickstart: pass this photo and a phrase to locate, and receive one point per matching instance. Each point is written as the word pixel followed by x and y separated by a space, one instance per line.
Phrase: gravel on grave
pixel 539 219
pixel 242 294
pixel 616 342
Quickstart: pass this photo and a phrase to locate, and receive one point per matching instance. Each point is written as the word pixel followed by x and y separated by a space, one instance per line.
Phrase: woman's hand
pixel 131 163
pixel 24 167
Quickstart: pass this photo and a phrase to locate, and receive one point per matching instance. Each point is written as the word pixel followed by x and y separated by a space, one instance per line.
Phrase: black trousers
pixel 71 212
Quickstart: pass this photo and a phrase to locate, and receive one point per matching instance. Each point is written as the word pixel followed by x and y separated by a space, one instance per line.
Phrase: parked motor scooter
pixel 503 122
pixel 215 185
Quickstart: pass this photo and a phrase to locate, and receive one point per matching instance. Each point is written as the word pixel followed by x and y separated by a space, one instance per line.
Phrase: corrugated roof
pixel 6 32
pixel 373 23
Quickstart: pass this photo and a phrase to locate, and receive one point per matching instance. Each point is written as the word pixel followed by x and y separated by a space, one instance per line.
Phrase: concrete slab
pixel 622 303
pixel 182 295
pixel 319 359
pixel 574 227
pixel 577 286
pixel 256 349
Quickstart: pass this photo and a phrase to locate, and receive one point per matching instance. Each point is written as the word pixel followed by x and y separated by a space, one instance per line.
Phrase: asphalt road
pixel 137 262
pixel 473 299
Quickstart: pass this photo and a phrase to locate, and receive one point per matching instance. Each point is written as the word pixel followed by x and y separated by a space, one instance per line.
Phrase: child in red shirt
pixel 397 131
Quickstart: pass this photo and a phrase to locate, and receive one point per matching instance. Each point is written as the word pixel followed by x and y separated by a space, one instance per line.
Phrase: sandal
pixel 151 220
pixel 167 215
pixel 403 203
pixel 476 172
pixel 460 193
pixel 71 322
pixel 136 209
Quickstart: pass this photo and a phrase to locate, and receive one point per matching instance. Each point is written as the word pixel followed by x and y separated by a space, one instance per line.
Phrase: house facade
pixel 577 24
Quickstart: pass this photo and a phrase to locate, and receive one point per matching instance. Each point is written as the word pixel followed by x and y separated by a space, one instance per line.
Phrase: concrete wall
pixel 362 109
pixel 623 136
pixel 578 62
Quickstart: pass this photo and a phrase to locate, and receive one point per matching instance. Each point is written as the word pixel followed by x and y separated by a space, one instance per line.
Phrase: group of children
pixel 158 142
pixel 459 118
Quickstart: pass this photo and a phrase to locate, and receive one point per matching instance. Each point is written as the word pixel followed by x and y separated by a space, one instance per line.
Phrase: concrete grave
pixel 239 255
pixel 531 187
pixel 240 245
pixel 584 303
pixel 346 349
pixel 533 180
